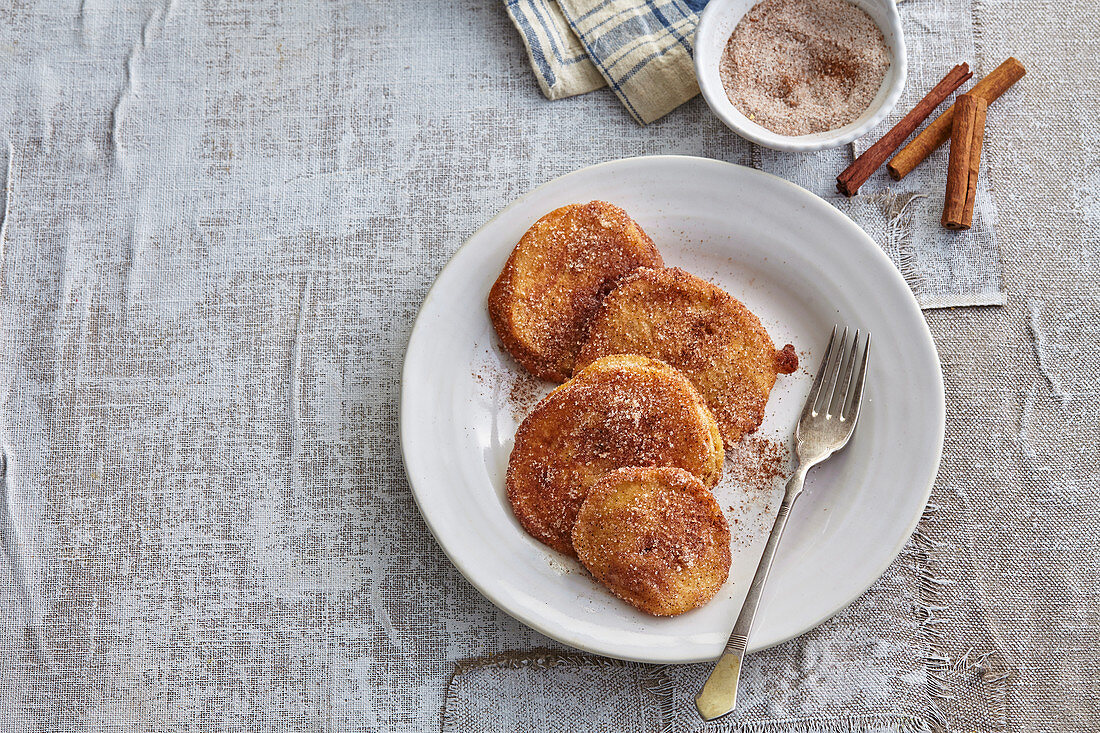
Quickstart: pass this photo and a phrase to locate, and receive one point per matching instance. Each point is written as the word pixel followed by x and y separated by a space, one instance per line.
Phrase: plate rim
pixel 812 200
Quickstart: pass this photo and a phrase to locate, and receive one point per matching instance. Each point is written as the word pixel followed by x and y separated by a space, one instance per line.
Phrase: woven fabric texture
pixel 642 48
pixel 561 66
pixel 218 222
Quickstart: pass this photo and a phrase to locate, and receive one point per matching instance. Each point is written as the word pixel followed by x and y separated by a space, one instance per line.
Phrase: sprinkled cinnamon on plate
pixel 524 393
pixel 756 464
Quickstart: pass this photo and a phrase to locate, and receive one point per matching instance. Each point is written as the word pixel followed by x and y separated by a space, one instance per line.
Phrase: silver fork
pixel 827 422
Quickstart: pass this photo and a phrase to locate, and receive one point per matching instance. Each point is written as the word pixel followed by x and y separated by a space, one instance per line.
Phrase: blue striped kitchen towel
pixel 640 48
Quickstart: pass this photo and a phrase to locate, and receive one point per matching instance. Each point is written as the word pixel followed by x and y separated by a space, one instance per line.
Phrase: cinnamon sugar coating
pixel 625 410
pixel 798 67
pixel 555 279
pixel 655 537
pixel 698 328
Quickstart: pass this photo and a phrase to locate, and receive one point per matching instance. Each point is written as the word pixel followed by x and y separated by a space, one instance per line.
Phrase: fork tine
pixel 851 411
pixel 811 398
pixel 836 355
pixel 844 381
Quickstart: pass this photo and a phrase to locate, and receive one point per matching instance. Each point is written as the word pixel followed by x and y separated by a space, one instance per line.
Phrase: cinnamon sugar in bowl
pixel 806 128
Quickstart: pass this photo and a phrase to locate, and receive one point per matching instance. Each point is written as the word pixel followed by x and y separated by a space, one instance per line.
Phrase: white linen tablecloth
pixel 219 221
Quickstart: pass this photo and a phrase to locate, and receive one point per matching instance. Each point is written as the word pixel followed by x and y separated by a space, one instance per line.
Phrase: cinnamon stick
pixel 860 170
pixel 967 132
pixel 931 137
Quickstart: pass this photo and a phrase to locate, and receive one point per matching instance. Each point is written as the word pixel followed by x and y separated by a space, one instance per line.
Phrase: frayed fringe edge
pixel 939 664
pixel 930 589
pixel 898 211
pixel 845 724
pixel 543 658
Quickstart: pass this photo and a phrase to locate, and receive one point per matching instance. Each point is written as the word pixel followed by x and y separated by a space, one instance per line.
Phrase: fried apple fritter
pixel 655 537
pixel 555 278
pixel 698 328
pixel 625 410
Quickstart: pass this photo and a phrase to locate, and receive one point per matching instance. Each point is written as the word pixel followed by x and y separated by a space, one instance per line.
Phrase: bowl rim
pixel 720 105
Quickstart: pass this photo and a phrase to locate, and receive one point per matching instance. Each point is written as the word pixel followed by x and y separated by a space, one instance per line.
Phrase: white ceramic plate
pixel 797 263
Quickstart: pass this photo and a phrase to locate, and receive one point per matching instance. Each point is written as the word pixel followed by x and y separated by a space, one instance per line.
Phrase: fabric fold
pixel 642 49
pixel 560 63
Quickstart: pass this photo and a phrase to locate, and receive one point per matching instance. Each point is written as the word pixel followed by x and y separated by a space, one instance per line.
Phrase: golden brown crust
pixel 625 410
pixel 701 330
pixel 555 278
pixel 655 537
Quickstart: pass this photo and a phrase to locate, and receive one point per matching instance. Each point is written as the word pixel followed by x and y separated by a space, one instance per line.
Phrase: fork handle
pixel 719 694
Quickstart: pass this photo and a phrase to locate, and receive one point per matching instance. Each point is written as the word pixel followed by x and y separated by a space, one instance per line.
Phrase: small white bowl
pixel 715 27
